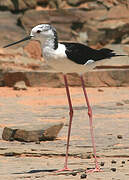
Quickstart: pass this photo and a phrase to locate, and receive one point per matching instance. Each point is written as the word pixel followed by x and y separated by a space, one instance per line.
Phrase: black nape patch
pixel 55 38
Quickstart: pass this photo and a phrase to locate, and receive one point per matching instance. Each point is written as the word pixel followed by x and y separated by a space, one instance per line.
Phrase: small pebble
pixel 9 154
pixel 23 143
pixel 113 169
pixel 119 136
pixel 100 90
pixel 11 139
pixel 102 164
pixel 119 104
pixel 33 149
pixel 20 85
pixel 83 176
pixel 113 161
pixel 89 168
pixel 37 142
pixel 126 101
pixel 74 173
pixel 88 156
pixel 123 162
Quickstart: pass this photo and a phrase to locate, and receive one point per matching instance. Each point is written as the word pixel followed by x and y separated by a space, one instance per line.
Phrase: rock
pixel 118 12
pixel 83 176
pixel 17 5
pixel 74 173
pixel 9 29
pixel 102 163
pixel 11 78
pixel 113 161
pixel 33 49
pixel 63 20
pixel 20 85
pixel 101 29
pixel 100 77
pixel 119 136
pixel 115 25
pixel 108 4
pixel 119 104
pixel 30 3
pixel 99 22
pixel 83 37
pixel 75 2
pixel 126 101
pixel 100 90
pixel 123 162
pixel 126 49
pixel 113 169
pixel 32 133
pixel 95 36
pixel 56 4
pixel 24 4
pixel 10 154
pixel 125 40
pixel 34 78
pixel 6 5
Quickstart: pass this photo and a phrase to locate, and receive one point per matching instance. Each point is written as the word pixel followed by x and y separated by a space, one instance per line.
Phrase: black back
pixel 80 53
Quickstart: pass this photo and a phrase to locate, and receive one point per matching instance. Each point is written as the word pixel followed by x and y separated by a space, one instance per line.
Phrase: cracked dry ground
pixel 19 161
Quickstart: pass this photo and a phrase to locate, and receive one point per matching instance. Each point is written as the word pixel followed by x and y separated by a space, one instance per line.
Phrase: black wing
pixel 80 53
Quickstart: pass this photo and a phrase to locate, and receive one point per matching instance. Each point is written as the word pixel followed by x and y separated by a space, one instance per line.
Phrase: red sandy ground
pixel 96 95
pixel 57 96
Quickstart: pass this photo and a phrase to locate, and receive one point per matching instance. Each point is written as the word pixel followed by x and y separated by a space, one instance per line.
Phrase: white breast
pixel 60 51
pixel 50 53
pixel 58 60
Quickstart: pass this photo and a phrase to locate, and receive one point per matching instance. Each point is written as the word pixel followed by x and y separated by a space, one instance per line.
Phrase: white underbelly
pixel 67 66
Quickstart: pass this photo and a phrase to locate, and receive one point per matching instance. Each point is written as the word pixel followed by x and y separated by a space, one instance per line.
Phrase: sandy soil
pixel 38 105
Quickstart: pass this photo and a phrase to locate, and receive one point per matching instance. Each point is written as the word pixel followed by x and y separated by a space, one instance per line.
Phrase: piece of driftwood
pixel 32 133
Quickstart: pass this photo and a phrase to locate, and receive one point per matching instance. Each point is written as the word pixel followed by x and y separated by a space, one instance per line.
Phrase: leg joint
pixel 71 112
pixel 89 111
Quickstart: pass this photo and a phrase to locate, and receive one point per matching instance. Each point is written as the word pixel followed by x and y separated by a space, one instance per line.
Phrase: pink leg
pixel 97 168
pixel 70 124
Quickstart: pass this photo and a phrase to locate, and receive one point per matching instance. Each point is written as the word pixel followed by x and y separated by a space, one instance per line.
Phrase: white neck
pixel 47 47
pixel 49 43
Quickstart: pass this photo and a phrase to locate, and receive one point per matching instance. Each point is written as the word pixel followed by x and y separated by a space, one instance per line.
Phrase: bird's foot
pixel 97 169
pixel 64 169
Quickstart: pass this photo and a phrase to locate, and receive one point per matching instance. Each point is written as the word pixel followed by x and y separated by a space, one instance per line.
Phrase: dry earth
pixel 19 160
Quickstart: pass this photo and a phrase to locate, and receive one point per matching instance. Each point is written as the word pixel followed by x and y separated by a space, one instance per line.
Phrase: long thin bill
pixel 25 39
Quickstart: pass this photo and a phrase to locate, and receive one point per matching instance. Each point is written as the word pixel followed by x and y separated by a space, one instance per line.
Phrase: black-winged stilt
pixel 68 57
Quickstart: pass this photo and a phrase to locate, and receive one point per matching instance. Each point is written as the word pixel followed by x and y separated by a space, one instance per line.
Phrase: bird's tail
pixel 108 53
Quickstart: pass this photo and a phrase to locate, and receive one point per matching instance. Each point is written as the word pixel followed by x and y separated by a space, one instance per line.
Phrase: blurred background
pixel 95 22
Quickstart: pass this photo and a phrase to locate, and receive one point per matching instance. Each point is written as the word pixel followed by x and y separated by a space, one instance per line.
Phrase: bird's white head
pixel 45 33
pixel 42 31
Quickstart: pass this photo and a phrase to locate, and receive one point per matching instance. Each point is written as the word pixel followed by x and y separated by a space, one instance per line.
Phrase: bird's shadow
pixel 37 171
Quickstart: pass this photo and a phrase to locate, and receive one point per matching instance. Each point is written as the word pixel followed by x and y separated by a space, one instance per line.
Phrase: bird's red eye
pixel 38 31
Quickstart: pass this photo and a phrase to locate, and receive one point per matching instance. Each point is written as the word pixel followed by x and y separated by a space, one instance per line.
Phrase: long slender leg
pixel 70 124
pixel 97 168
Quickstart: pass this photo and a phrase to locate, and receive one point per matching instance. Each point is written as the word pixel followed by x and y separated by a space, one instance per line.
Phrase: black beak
pixel 26 38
